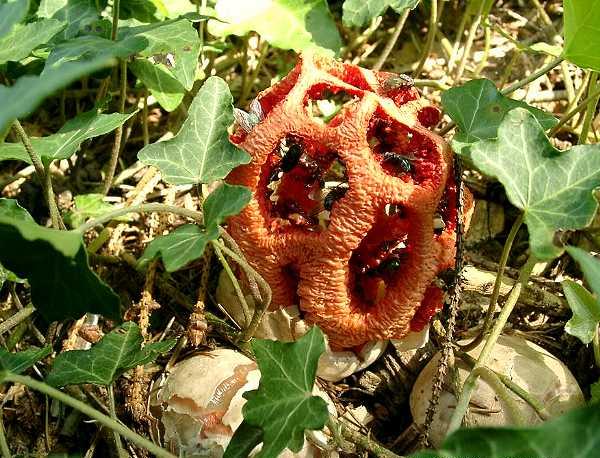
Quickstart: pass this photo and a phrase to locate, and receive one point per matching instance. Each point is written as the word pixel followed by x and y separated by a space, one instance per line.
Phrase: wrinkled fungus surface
pixel 353 214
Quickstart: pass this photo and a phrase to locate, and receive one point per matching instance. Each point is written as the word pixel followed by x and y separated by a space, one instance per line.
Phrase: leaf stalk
pixel 89 411
pixel 485 355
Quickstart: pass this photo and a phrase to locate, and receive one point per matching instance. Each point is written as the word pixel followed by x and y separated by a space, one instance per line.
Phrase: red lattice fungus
pixel 353 214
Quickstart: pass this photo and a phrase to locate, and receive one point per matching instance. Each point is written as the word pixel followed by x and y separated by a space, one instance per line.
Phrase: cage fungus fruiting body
pixel 353 213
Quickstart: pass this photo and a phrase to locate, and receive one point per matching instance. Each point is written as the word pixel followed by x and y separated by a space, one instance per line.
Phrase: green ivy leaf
pixel 478 108
pixel 201 151
pixel 56 265
pixel 12 13
pixel 552 188
pixel 68 139
pixel 177 38
pixel 590 266
pixel 283 407
pixel 574 434
pixel 92 47
pixel 20 361
pixel 10 208
pixel 358 13
pixel 89 206
pixel 595 392
pixel 582 33
pixel 24 38
pixel 287 24
pixel 20 99
pixel 187 243
pixel 586 312
pixel 117 352
pixel 160 82
pixel 143 10
pixel 76 13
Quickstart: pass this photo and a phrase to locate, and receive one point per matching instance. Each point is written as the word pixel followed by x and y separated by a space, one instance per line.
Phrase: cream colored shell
pixel 526 364
pixel 190 387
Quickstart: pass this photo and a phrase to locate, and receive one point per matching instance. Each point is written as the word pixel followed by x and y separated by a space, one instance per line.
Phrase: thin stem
pixel 535 75
pixel 392 41
pixel 366 442
pixel 113 414
pixel 236 285
pixel 497 284
pixel 90 412
pixel 4 448
pixel 229 241
pixel 596 346
pixel 486 51
pixel 35 159
pixel 469 386
pixel 501 391
pixel 143 208
pixel 431 83
pixel 42 173
pixel 535 403
pixel 578 109
pixel 458 38
pixel 16 318
pixel 145 131
pixel 433 20
pixel 115 20
pixel 570 88
pixel 116 148
pixel 262 53
pixel 591 109
pixel 469 43
pixel 57 222
pixel 259 308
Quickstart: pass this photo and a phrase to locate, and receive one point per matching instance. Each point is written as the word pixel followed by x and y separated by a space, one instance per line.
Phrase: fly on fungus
pixel 370 273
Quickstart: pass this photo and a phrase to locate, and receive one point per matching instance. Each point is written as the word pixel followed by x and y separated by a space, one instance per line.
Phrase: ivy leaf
pixel 478 108
pixel 160 82
pixel 201 151
pixel 287 24
pixel 582 33
pixel 92 47
pixel 595 392
pixel 117 352
pixel 76 13
pixel 590 266
pixel 56 265
pixel 10 208
pixel 574 434
pixel 12 13
pixel 586 312
pixel 358 13
pixel 89 206
pixel 20 99
pixel 283 407
pixel 20 361
pixel 187 242
pixel 68 139
pixel 176 39
pixel 143 10
pixel 23 39
pixel 552 188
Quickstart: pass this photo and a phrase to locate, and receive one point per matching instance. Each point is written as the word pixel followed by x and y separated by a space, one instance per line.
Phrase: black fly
pixel 334 195
pixel 291 157
pixel 398 161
